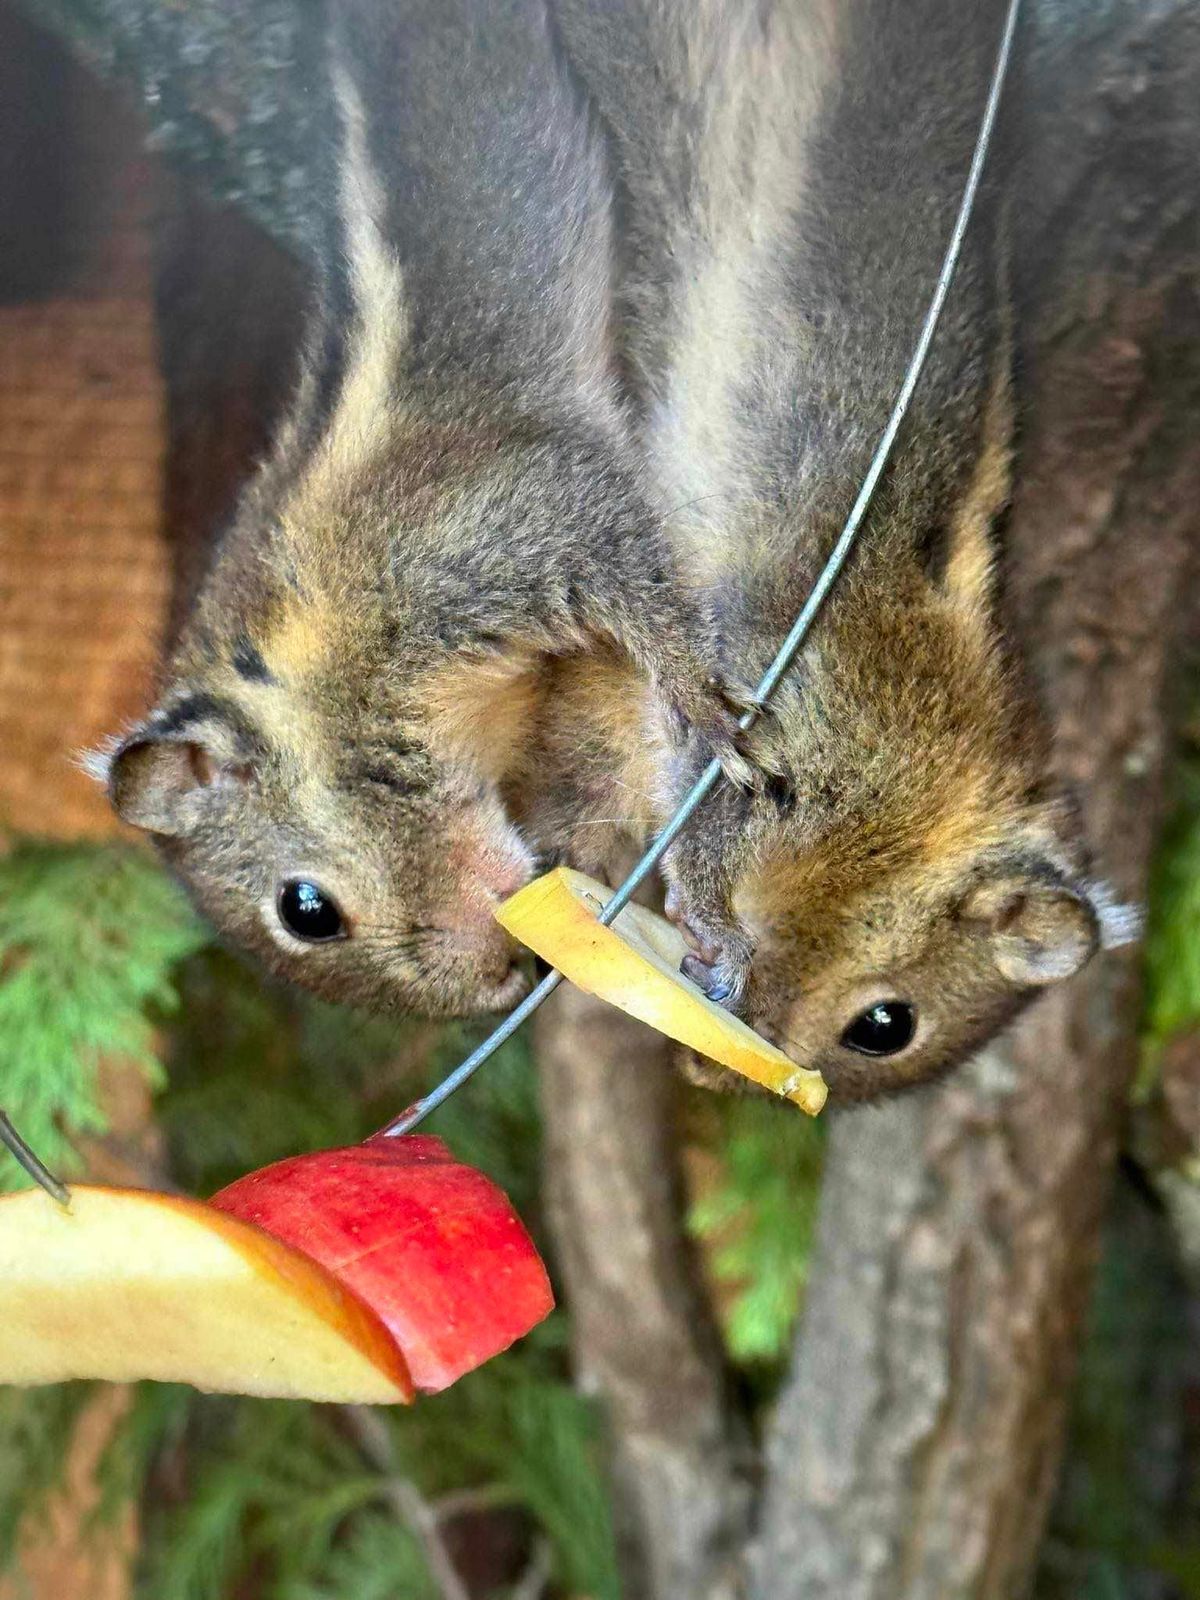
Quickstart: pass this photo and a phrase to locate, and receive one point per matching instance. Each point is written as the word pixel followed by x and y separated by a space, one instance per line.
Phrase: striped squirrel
pixel 908 876
pixel 452 501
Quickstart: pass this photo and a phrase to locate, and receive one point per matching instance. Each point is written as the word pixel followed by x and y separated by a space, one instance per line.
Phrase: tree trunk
pixel 644 1340
pixel 916 1448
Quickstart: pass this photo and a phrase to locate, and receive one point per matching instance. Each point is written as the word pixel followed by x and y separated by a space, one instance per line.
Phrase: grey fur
pixel 788 174
pixel 453 500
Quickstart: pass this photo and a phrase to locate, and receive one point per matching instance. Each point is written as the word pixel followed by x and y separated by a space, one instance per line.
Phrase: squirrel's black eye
pixel 883 1030
pixel 307 911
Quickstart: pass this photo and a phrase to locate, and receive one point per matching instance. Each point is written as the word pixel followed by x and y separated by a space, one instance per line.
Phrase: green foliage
pixel 95 946
pixel 379 1559
pixel 520 1429
pixel 1123 1522
pixel 270 1486
pixel 285 1493
pixel 88 940
pixel 1172 945
pixel 759 1221
pixel 260 1072
pixel 280 1490
pixel 35 1432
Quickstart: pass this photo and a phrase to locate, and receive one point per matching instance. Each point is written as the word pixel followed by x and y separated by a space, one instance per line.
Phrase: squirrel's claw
pixel 723 981
pixel 718 961
pixel 740 697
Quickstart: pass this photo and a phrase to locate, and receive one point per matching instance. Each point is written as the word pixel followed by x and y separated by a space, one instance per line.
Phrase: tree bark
pixel 230 88
pixel 643 1337
pixel 916 1447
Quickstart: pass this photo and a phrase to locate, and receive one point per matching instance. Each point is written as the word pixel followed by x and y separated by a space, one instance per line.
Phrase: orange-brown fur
pixel 790 173
pixel 453 502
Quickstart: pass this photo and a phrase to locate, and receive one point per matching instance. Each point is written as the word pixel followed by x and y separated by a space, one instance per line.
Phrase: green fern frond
pixel 1172 944
pixel 249 1462
pixel 155 1423
pixel 760 1220
pixel 551 1462
pixel 379 1560
pixel 89 936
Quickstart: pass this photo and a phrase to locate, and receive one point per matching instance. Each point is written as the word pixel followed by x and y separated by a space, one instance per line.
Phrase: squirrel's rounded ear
pixel 151 781
pixel 1040 931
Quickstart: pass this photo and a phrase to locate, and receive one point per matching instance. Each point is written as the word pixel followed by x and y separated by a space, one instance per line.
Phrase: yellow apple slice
pixel 634 965
pixel 127 1284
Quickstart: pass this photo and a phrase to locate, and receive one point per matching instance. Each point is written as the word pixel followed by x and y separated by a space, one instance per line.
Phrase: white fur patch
pixel 382 315
pixel 97 762
pixel 1120 922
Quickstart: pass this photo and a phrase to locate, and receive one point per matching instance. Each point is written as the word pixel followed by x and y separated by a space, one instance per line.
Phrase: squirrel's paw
pixel 719 958
pixel 742 697
pixel 709 716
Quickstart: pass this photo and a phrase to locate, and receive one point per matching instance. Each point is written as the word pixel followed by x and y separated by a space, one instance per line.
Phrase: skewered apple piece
pixel 634 965
pixel 311 1279
pixel 433 1246
pixel 127 1284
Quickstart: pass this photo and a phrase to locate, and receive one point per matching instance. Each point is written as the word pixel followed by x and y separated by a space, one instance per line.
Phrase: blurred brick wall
pixel 84 568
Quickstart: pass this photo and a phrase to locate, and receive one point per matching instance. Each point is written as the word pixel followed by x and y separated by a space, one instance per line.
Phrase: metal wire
pixel 32 1162
pixel 800 628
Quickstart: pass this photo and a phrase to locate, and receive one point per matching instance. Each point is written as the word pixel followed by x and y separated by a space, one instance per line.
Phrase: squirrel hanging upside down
pixel 452 499
pixel 907 876
pixel 617 298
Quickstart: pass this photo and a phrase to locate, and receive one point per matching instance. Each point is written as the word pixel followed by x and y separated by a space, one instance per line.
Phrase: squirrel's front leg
pixel 700 873
pixel 652 623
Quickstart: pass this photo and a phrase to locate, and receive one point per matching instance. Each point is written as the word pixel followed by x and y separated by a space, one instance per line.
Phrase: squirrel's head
pixel 364 869
pixel 906 878
pixel 884 948
pixel 894 980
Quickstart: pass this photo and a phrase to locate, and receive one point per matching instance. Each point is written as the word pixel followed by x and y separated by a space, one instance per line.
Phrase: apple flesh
pixel 127 1284
pixel 634 965
pixel 347 1275
pixel 431 1245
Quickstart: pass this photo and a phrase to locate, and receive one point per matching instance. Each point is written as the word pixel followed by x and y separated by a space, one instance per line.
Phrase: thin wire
pixel 32 1162
pixel 800 628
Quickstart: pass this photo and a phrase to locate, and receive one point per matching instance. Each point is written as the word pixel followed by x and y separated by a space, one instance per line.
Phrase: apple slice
pixel 634 964
pixel 130 1284
pixel 433 1246
pixel 341 1275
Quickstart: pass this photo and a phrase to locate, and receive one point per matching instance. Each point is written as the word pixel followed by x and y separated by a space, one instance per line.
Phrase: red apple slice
pixel 131 1284
pixel 434 1247
pixel 314 1278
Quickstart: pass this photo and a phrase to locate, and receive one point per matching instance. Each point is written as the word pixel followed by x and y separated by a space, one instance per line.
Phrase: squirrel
pixel 453 501
pixel 908 875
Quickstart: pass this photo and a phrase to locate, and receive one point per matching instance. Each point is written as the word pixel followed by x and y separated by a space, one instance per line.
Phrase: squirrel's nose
pixel 508 877
pixel 487 870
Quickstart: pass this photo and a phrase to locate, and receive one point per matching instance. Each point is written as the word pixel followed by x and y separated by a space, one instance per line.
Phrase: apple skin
pixel 433 1247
